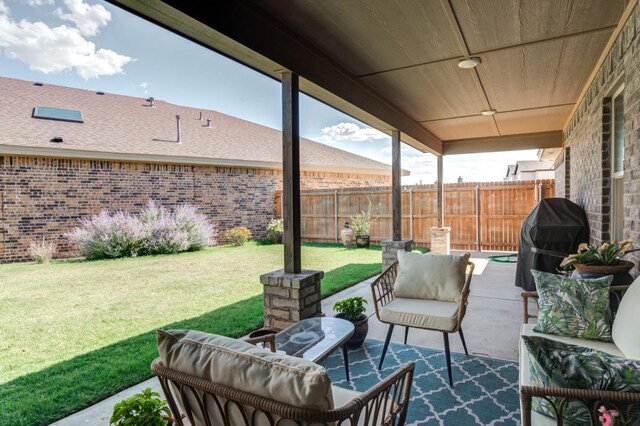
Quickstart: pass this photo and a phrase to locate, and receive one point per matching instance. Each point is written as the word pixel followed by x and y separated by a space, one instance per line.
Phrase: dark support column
pixel 391 247
pixel 440 201
pixel 291 173
pixel 396 188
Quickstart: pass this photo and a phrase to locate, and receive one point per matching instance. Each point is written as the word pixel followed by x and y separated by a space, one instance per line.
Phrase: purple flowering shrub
pixel 109 236
pixel 197 227
pixel 156 230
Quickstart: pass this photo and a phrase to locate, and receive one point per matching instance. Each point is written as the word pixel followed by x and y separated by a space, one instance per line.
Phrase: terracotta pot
pixel 347 236
pixel 361 330
pixel 363 241
pixel 621 267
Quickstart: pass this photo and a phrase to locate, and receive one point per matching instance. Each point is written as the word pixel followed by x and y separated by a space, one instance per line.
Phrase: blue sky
pixel 96 46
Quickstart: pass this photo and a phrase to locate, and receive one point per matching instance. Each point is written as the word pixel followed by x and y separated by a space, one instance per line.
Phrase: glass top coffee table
pixel 314 339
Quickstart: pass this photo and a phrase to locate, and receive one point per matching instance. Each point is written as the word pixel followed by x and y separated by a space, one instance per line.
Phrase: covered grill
pixel 556 225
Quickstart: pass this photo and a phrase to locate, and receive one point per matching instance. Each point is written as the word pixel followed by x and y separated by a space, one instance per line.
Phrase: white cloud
pixel 88 18
pixel 144 86
pixel 54 49
pixel 349 132
pixel 36 3
pixel 4 9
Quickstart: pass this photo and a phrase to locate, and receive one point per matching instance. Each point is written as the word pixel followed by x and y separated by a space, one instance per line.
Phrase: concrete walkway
pixel 491 328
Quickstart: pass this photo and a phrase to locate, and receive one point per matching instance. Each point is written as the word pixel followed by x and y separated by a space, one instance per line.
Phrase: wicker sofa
pixel 215 380
pixel 626 338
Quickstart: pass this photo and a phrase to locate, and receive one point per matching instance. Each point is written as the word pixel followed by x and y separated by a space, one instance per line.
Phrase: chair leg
pixel 386 345
pixel 406 334
pixel 464 344
pixel 447 353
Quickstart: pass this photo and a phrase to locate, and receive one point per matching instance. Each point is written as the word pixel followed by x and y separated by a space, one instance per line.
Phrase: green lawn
pixel 73 333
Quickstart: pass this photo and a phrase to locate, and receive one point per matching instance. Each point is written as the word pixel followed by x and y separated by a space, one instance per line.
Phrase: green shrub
pixel 351 308
pixel 144 408
pixel 237 236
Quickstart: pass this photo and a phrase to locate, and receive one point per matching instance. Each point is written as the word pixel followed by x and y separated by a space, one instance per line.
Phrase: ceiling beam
pixel 242 31
pixel 503 143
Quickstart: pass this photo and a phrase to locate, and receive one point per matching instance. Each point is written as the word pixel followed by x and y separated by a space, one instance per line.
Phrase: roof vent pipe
pixel 151 101
pixel 208 122
pixel 179 132
pixel 200 116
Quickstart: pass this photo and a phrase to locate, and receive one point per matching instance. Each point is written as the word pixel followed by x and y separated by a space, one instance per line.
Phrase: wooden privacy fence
pixel 482 216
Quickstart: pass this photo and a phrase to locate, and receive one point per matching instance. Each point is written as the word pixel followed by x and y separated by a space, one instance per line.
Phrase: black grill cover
pixel 555 224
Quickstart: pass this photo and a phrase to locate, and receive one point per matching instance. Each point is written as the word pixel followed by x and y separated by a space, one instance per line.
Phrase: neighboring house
pixel 530 170
pixel 102 151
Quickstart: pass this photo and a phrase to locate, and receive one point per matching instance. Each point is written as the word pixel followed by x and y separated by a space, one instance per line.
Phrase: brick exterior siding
pixel 46 197
pixel 588 168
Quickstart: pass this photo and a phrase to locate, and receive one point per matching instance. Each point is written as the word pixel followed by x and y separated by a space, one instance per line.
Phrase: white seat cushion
pixel 608 347
pixel 626 325
pixel 431 276
pixel 245 367
pixel 420 313
pixel 537 419
pixel 524 368
pixel 342 397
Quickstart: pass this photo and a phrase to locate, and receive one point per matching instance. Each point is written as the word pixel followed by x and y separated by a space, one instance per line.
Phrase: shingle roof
pixel 124 127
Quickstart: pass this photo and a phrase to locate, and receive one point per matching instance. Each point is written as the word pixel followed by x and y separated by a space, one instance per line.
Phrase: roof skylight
pixel 59 114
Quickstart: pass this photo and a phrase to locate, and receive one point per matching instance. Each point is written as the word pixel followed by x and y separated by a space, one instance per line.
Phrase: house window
pixel 617 164
pixel 58 114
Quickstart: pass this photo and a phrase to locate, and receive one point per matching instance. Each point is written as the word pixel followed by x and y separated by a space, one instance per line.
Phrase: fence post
pixel 411 213
pixel 478 242
pixel 540 191
pixel 335 213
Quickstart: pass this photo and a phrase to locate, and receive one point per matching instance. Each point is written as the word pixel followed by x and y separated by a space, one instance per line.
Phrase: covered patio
pixel 446 77
pixel 492 330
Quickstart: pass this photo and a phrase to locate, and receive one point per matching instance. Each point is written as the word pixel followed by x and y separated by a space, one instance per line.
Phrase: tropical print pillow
pixel 573 307
pixel 557 364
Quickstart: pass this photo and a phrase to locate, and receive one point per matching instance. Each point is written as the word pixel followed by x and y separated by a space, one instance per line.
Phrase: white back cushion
pixel 245 367
pixel 626 325
pixel 430 276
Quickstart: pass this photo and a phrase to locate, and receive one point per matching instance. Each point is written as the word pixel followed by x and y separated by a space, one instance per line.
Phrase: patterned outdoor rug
pixel 485 390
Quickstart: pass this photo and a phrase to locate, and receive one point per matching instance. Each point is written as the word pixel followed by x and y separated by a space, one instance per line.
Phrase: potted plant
pixel 144 408
pixel 361 225
pixel 352 309
pixel 275 229
pixel 591 261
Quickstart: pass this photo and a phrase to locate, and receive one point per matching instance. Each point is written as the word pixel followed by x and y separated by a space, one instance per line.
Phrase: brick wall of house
pixel 588 136
pixel 47 196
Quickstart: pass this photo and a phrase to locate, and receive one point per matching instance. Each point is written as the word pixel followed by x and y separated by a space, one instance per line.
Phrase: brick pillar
pixel 289 298
pixel 390 250
pixel 440 240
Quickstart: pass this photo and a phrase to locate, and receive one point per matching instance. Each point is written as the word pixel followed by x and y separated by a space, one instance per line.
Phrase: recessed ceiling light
pixel 467 64
pixel 489 112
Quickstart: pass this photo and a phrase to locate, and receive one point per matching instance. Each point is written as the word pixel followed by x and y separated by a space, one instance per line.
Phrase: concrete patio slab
pixel 491 328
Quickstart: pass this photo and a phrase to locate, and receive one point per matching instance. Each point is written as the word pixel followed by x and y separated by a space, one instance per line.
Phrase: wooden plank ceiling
pixel 536 56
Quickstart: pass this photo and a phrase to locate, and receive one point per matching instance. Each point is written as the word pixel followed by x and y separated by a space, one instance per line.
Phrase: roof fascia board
pixel 183 160
pixel 264 44
pixel 503 143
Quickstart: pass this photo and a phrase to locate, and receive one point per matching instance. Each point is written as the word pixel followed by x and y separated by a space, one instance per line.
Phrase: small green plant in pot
pixel 275 229
pixel 361 225
pixel 352 309
pixel 142 409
